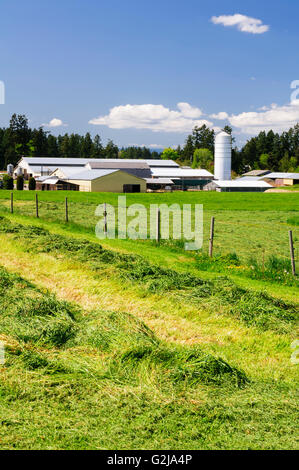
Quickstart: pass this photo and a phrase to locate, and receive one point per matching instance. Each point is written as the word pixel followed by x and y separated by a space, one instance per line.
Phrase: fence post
pixel 66 210
pixel 158 227
pixel 292 253
pixel 11 203
pixel 211 237
pixel 36 205
pixel 105 219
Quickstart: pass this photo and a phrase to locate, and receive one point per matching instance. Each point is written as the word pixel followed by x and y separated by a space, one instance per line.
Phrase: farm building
pixel 184 178
pixel 92 174
pixel 257 173
pixel 114 181
pixel 237 186
pixel 37 167
pixel 136 168
pixel 156 184
pixel 55 184
pixel 283 179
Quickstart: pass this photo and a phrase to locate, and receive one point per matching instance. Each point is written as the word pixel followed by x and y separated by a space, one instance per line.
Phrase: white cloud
pixel 55 123
pixel 277 118
pixel 221 116
pixel 242 22
pixel 155 117
pixel 189 111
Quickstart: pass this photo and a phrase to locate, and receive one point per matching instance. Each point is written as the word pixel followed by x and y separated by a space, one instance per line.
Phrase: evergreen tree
pixel 111 150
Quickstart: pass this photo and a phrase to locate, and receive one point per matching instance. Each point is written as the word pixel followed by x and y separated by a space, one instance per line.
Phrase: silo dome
pixel 10 169
pixel 223 156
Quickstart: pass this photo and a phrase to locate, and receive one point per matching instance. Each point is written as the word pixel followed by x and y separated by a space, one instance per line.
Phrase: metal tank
pixel 10 169
pixel 223 156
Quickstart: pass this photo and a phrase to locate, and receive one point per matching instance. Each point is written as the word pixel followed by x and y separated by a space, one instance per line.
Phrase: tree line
pixel 19 140
pixel 268 150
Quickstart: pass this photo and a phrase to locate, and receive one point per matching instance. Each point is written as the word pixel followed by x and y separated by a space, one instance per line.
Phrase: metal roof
pixel 44 161
pixel 118 164
pixel 291 176
pixel 89 175
pixel 180 173
pixel 159 181
pixel 67 171
pixel 250 178
pixel 257 173
pixel 162 163
pixel 51 181
pixel 242 184
pixel 36 161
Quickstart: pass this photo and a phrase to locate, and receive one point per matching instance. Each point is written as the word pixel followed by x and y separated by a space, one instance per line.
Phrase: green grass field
pixel 122 344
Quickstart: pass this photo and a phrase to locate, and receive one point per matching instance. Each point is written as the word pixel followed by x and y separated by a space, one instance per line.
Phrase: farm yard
pixel 133 345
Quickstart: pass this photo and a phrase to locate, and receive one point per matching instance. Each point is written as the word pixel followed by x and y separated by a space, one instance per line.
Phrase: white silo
pixel 10 169
pixel 223 156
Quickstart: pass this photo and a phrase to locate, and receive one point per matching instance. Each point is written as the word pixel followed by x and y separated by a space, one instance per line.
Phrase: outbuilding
pixel 284 179
pixel 114 181
pixel 55 184
pixel 237 186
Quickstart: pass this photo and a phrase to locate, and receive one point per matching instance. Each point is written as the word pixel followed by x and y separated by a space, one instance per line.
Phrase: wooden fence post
pixel 211 237
pixel 11 203
pixel 158 227
pixel 36 205
pixel 105 219
pixel 292 253
pixel 66 210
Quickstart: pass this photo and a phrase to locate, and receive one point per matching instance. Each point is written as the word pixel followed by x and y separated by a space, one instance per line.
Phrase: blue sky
pixel 120 68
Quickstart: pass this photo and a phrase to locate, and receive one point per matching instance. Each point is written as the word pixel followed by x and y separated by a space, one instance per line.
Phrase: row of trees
pixel 20 140
pixel 198 150
pixel 269 150
pixel 273 151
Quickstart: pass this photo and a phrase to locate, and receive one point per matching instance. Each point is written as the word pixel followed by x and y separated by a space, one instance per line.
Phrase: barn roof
pixel 257 173
pixel 180 173
pixel 242 184
pixel 291 176
pixel 89 175
pixel 45 161
pixel 159 181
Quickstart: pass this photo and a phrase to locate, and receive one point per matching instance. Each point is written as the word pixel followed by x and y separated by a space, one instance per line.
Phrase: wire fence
pixel 261 236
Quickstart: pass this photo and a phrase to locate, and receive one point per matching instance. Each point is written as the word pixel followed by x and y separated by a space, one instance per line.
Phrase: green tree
pixel 111 150
pixel 32 184
pixel 264 161
pixel 203 138
pixel 169 154
pixel 20 183
pixel 284 164
pixel 203 158
pixel 53 150
pixel 188 149
pixel 39 147
pixel 8 182
pixel 86 146
pixel 98 149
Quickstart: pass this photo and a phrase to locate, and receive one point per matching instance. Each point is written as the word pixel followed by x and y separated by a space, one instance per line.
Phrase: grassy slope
pixel 63 400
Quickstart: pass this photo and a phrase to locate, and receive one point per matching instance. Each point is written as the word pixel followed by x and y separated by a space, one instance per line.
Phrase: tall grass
pixel 253 309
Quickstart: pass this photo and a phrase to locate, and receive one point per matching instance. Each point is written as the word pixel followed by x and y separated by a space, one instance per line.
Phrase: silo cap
pixel 223 136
